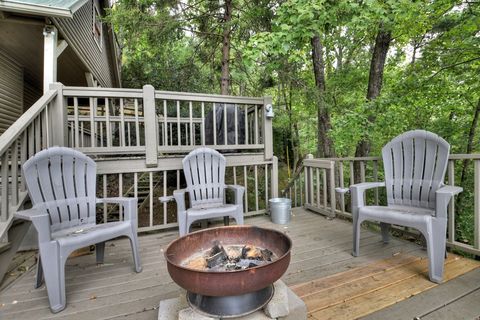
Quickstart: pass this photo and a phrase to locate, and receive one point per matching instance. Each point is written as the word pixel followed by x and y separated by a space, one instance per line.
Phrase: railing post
pixel 274 182
pixel 58 124
pixel 151 135
pixel 308 182
pixel 50 56
pixel 451 206
pixel 476 212
pixel 267 127
pixel 333 202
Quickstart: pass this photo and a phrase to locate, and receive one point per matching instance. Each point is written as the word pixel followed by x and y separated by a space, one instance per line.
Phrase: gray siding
pixel 31 94
pixel 78 32
pixel 11 91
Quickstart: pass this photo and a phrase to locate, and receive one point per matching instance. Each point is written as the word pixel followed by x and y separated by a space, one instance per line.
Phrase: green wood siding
pixel 78 32
pixel 11 91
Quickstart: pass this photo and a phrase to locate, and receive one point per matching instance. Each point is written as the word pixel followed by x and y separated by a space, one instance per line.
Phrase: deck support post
pixel 151 134
pixel 58 122
pixel 476 210
pixel 50 35
pixel 308 182
pixel 267 127
pixel 331 187
pixel 274 182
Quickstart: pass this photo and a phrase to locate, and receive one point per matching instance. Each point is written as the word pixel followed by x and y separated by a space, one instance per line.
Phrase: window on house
pixel 97 27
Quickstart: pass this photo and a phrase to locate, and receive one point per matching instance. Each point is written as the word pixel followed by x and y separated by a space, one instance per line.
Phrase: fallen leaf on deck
pixel 22 268
pixel 94 297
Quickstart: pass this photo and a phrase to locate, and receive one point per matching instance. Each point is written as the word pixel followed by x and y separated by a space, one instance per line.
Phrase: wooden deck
pixel 321 267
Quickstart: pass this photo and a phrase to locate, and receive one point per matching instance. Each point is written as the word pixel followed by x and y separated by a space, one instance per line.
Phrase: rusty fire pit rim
pixel 287 253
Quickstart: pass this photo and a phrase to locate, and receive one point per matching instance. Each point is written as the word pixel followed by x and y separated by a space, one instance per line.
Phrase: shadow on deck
pixel 332 283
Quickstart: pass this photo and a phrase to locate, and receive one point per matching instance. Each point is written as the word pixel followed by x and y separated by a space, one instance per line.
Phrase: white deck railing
pixel 32 132
pixel 138 138
pixel 313 188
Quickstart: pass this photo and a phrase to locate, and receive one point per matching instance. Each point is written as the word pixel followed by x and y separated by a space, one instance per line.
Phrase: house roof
pixel 55 8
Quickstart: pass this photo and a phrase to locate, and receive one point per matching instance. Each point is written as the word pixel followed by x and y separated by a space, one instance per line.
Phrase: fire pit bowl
pixel 234 282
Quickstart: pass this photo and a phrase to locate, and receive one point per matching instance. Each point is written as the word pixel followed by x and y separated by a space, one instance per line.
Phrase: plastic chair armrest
pixel 443 197
pixel 359 189
pixel 40 220
pixel 129 205
pixel 239 192
pixel 179 196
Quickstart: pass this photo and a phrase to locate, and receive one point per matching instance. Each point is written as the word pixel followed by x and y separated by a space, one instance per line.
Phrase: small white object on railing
pixel 269 111
pixel 342 190
pixel 166 199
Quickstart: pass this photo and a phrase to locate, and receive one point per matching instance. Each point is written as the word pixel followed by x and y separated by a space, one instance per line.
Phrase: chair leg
pixel 226 220
pixel 436 243
pixel 182 223
pixel 188 223
pixel 39 274
pixel 54 273
pixel 100 252
pixel 385 231
pixel 239 217
pixel 136 256
pixel 356 235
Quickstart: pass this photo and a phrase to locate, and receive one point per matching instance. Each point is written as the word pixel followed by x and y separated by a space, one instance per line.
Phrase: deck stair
pixel 143 191
pixel 16 232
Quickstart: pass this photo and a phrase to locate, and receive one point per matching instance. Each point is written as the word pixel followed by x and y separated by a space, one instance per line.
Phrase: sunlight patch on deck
pixel 363 290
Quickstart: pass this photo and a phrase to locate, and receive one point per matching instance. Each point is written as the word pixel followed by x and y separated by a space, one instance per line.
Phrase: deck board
pixel 455 299
pixel 321 248
pixel 393 286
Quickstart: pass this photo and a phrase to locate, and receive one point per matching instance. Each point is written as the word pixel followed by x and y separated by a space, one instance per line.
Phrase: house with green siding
pixel 46 41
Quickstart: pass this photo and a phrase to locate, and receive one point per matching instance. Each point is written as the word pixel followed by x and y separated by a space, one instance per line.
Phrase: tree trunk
pixel 471 135
pixel 375 80
pixel 293 128
pixel 324 142
pixel 225 82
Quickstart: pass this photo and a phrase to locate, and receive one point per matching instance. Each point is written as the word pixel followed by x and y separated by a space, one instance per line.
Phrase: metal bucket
pixel 280 210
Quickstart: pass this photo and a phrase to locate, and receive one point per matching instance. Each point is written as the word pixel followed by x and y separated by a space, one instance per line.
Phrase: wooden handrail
pixel 187 96
pixel 14 131
pixel 167 95
pixel 458 156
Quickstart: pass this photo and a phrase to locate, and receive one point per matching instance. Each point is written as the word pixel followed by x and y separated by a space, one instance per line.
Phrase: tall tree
pixel 375 80
pixel 227 18
pixel 324 141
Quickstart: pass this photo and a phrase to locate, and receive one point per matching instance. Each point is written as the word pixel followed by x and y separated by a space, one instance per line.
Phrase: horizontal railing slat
pixel 184 96
pixel 91 92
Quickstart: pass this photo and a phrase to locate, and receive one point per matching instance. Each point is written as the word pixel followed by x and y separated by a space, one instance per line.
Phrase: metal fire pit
pixel 251 288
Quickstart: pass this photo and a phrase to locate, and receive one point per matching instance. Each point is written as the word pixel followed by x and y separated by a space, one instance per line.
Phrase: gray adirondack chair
pixel 415 164
pixel 61 183
pixel 204 171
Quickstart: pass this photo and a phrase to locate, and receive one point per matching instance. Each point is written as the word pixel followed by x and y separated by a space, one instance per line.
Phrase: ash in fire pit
pixel 230 258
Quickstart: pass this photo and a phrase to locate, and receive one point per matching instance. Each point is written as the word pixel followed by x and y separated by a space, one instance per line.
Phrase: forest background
pixel 346 76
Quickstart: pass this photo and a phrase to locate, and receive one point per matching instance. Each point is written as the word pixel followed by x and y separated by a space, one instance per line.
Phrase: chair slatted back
pixel 204 171
pixel 415 163
pixel 63 182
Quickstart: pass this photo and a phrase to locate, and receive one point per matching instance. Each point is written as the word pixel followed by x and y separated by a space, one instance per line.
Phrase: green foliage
pixel 431 78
